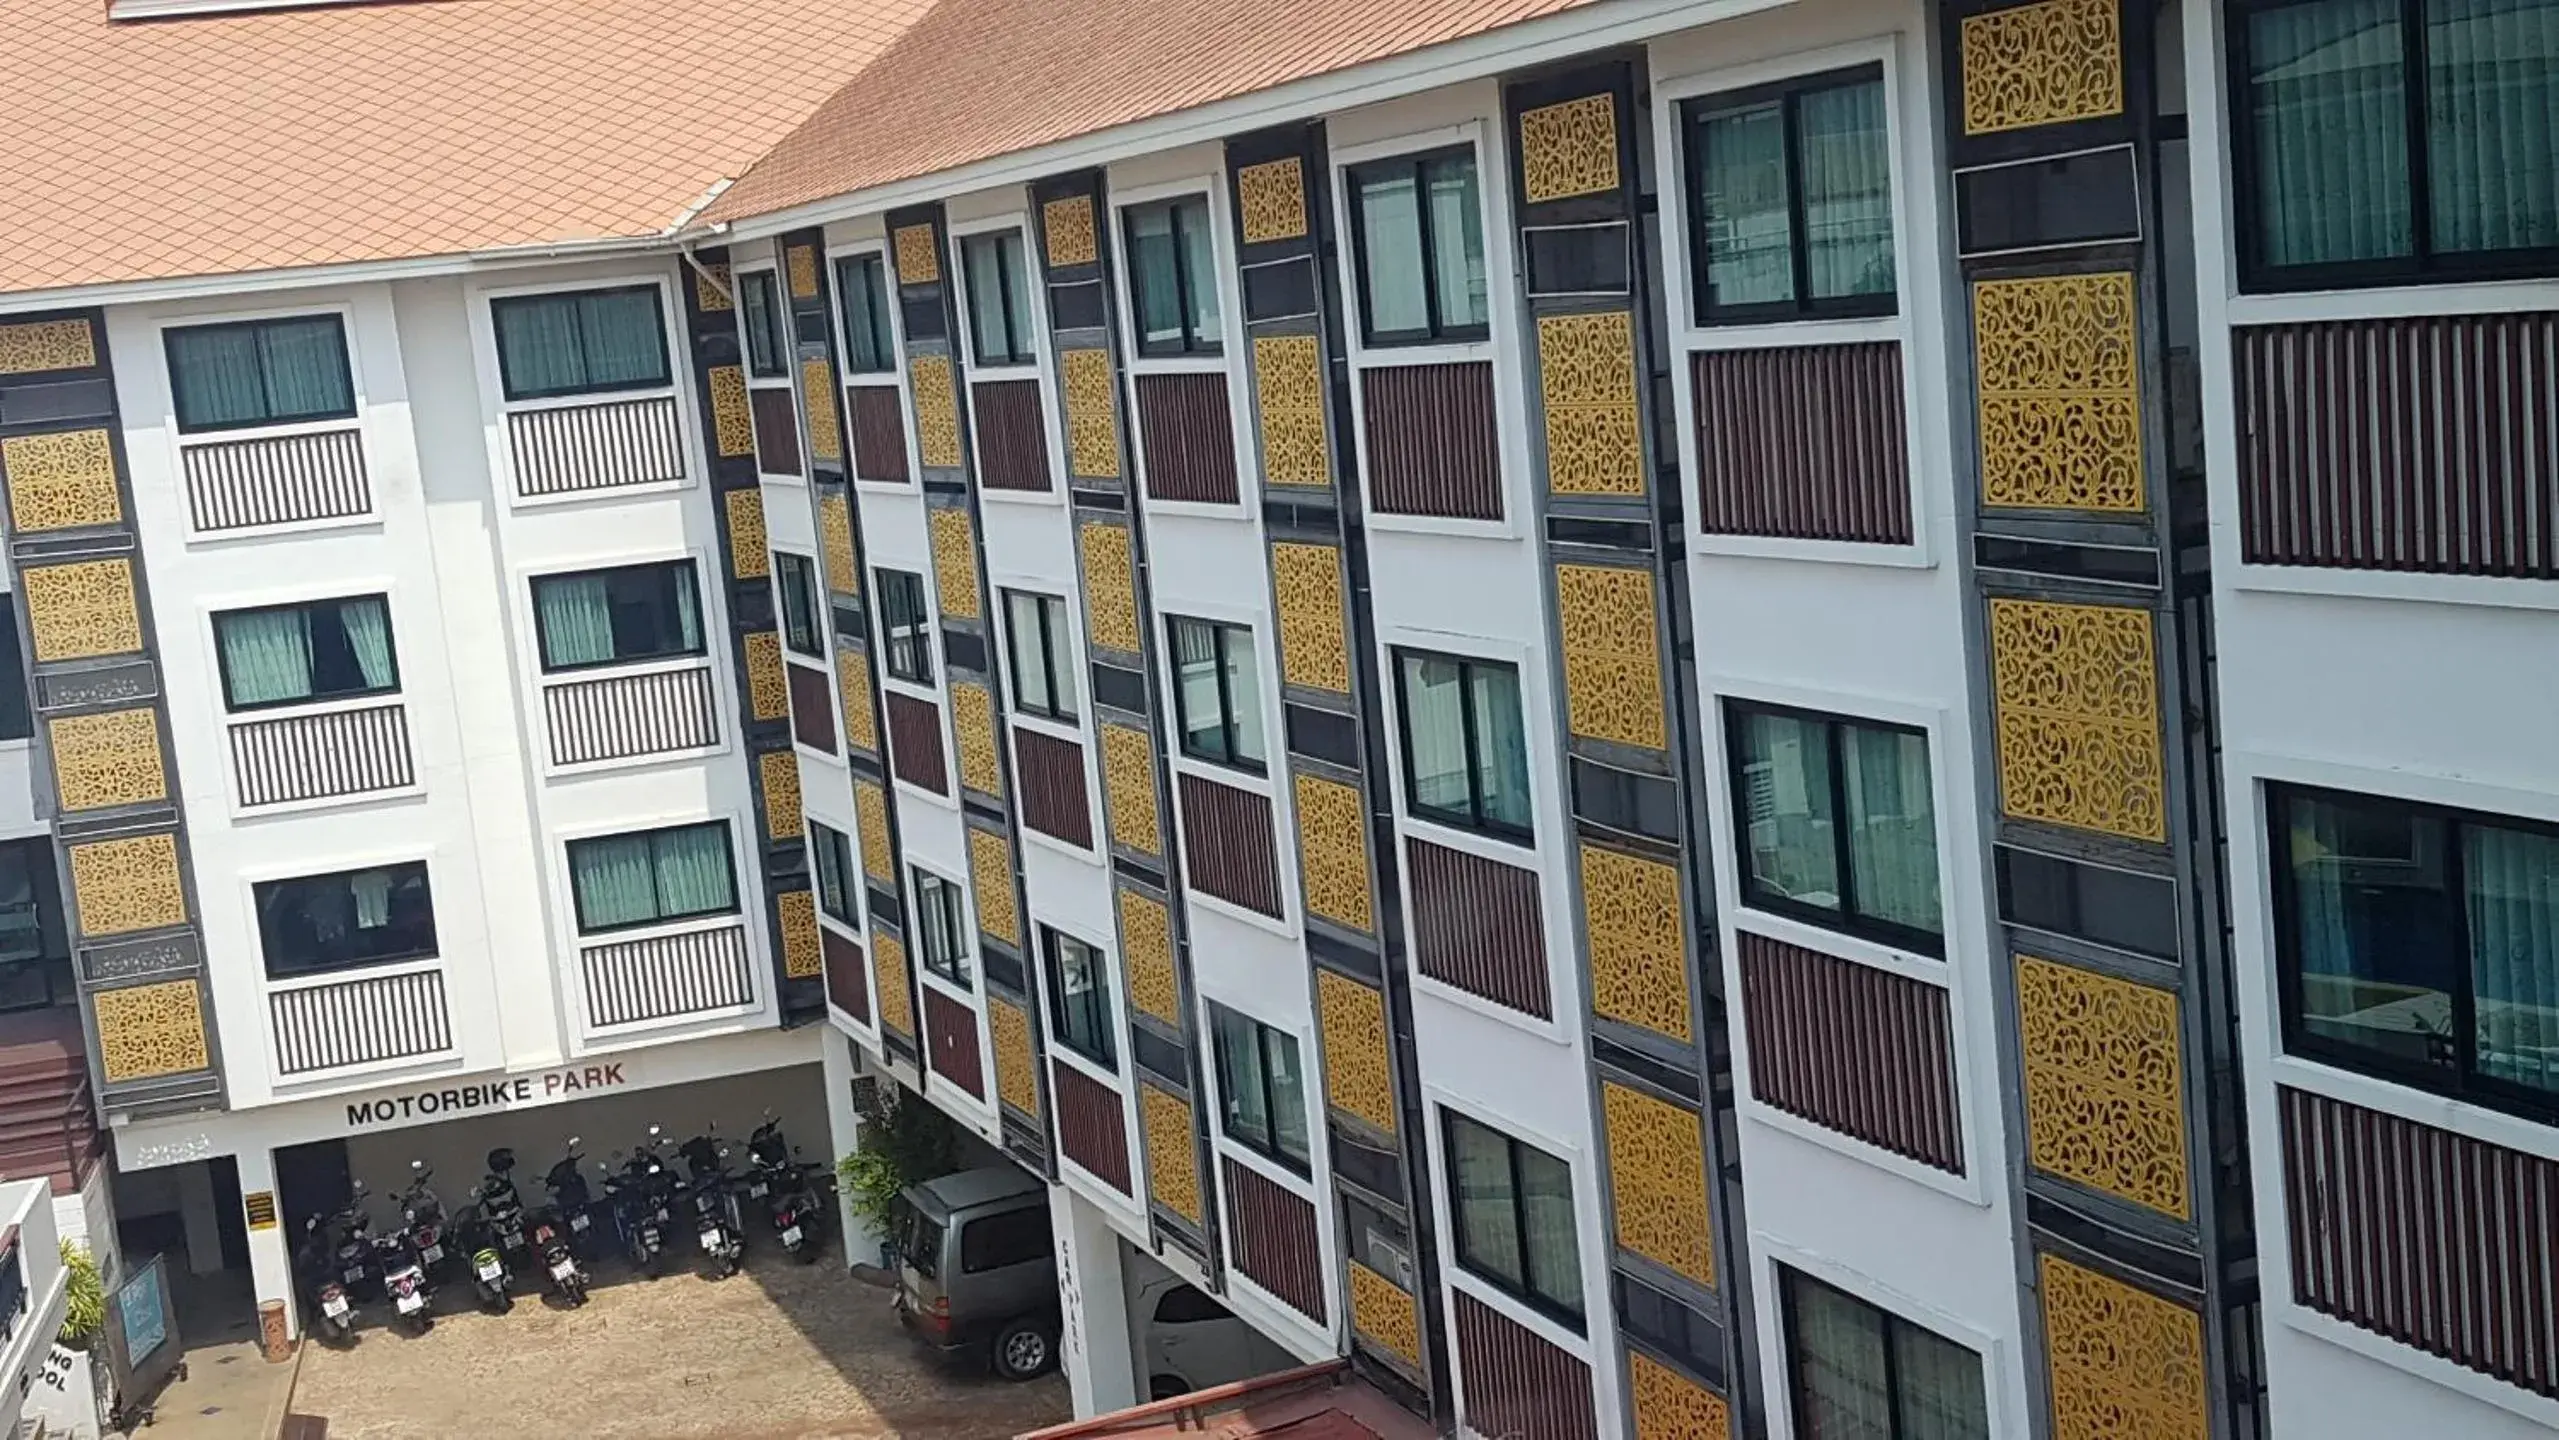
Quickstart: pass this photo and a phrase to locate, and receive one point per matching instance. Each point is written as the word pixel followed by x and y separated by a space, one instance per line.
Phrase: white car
pixel 1192 1343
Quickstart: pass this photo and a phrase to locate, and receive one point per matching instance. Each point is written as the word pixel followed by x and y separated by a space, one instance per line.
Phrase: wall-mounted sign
pixel 512 1092
pixel 261 1207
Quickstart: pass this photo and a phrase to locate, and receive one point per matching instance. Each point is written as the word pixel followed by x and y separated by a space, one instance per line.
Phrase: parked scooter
pixel 409 1257
pixel 557 1226
pixel 496 1232
pixel 643 1196
pixel 788 1189
pixel 571 1201
pixel 315 1261
pixel 352 1260
pixel 715 1207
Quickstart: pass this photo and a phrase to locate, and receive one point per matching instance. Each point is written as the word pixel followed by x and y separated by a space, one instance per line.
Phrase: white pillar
pixel 196 1212
pixel 270 1251
pixel 842 1066
pixel 1093 1344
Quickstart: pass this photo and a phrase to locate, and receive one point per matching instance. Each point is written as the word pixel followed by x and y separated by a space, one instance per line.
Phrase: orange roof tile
pixel 221 143
pixel 980 78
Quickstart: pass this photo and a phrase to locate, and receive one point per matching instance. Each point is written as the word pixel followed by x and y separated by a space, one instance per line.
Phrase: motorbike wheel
pixel 653 1264
pixel 575 1290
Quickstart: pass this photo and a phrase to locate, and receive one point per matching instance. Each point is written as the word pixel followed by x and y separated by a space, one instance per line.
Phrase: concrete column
pixel 1093 1344
pixel 843 1065
pixel 270 1251
pixel 196 1212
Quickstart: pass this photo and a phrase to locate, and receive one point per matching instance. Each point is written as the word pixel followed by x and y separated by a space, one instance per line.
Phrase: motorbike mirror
pixel 573 1142
pixel 653 1132
pixel 419 1165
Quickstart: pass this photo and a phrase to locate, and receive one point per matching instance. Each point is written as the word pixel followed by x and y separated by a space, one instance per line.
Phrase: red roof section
pixel 1318 1402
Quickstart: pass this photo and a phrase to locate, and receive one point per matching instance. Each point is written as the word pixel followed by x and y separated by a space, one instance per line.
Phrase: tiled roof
pixel 981 78
pixel 214 144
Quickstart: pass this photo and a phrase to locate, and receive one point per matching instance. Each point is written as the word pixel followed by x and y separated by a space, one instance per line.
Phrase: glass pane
pixel 1786 807
pixel 538 351
pixel 1837 1354
pixel 266 655
pixel 1486 1204
pixel 2492 132
pixel 763 307
pixel 1243 693
pixel 625 338
pixel 1195 675
pixel 1058 646
pixel 1084 999
pixel 2373 929
pixel 1435 737
pixel 1457 243
pixel 215 378
pixel 1287 1095
pixel 1239 1079
pixel 693 871
pixel 361 631
pixel 17 717
pixel 1554 1245
pixel 1501 744
pixel 1154 276
pixel 993 304
pixel 798 580
pixel 1848 194
pixel 828 855
pixel 1938 1385
pixel 2327 105
pixel 1892 826
pixel 306 369
pixel 1030 660
pixel 2513 883
pixel 614 881
pixel 1741 206
pixel 1390 221
pixel 1199 270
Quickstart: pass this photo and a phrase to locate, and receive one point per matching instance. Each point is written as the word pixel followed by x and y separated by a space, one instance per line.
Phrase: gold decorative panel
pixel 2124 1363
pixel 801 956
pixel 781 770
pixel 801 262
pixel 83 609
pixel 1172 1158
pixel 61 480
pixel 853 676
pixel 108 759
pixel 991 876
pixel 937 411
pixel 149 1030
pixel 2041 64
pixel 712 286
pixel 1272 197
pixel 817 398
pixel 2057 364
pixel 2075 690
pixel 973 720
pixel 1612 664
pixel 1092 413
pixel 1357 1078
pixel 1128 788
pixel 1382 1311
pixel 2104 1104
pixel 1568 149
pixel 1017 1077
pixel 1110 585
pixel 1146 951
pixel 732 422
pixel 1069 223
pixel 768 695
pixel 1670 1406
pixel 1657 1176
pixel 835 544
pixel 1632 917
pixel 120 886
pixel 954 563
pixel 1332 850
pixel 41 345
pixel 888 974
pixel 919 256
pixel 1586 376
pixel 871 821
pixel 747 555
pixel 1288 399
pixel 1307 581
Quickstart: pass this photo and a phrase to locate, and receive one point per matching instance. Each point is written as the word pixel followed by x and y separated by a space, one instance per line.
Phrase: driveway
pixel 780 1352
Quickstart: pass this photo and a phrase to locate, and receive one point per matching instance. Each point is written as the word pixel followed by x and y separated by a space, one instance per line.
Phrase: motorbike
pixel 715 1207
pixel 642 1193
pixel 558 1226
pixel 353 1256
pixel 571 1201
pixel 410 1257
pixel 788 1189
pixel 315 1261
pixel 496 1231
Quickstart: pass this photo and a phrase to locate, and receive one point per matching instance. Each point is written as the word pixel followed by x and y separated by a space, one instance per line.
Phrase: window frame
pixel 499 304
pixel 952 901
pixel 1577 1316
pixel 1191 344
pixel 1219 631
pixel 786 565
pixel 1787 93
pixel 1302 1166
pixel 346 360
pixel 260 889
pixel 1056 641
pixel 577 907
pixel 1021 332
pixel 890 626
pixel 831 849
pixel 1846 920
pixel 541 646
pixel 1415 163
pixel 222 662
pixel 1789 1318
pixel 871 268
pixel 1475 820
pixel 1052 960
pixel 763 285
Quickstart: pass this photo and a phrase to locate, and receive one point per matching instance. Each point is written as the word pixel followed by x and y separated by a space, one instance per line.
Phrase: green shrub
pixel 84 1307
pixel 904 1140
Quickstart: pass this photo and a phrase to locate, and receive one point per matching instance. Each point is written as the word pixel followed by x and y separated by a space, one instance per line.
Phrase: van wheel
pixel 1024 1350
pixel 1166 1387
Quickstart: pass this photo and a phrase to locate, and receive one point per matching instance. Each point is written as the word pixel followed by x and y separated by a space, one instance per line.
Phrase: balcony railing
pixel 1480 925
pixel 566 449
pixel 1227 847
pixel 1051 772
pixel 1517 1381
pixel 1188 434
pixel 915 743
pixel 1276 1240
pixel 327 755
pixel 1803 442
pixel 659 977
pixel 777 430
pixel 276 480
pixel 812 707
pixel 848 974
pixel 879 432
pixel 1091 1127
pixel 620 717
pixel 360 1021
pixel 1852 1048
pixel 950 1039
pixel 1433 447
pixel 1012 435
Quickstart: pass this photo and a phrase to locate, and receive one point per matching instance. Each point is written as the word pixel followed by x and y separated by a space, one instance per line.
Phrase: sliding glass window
pixel 619 616
pixel 1860 1373
pixel 247 373
pixel 1791 200
pixel 581 343
pixel 1465 748
pixel 1513 1208
pixel 1838 826
pixel 652 877
pixel 317 650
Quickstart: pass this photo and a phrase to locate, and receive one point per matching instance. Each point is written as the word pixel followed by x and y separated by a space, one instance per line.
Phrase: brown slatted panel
pixel 812 708
pixel 1189 437
pixel 1857 1049
pixel 1012 435
pixel 1275 1240
pixel 1518 1386
pixel 1227 846
pixel 1090 1126
pixel 2425 444
pixel 915 743
pixel 777 431
pixel 848 980
pixel 1432 445
pixel 1479 925
pixel 2438 1241
pixel 1803 442
pixel 879 432
pixel 1052 780
pixel 950 1039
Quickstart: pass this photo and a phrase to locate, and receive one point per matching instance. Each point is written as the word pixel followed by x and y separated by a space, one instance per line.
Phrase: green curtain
pixel 1435 732
pixel 1892 827
pixel 2492 137
pixel 1741 179
pixel 2327 100
pixel 688 607
pixel 1941 1392
pixel 1244 694
pixel 624 338
pixel 575 615
pixel 306 368
pixel 368 630
pixel 693 875
pixel 988 296
pixel 1553 1238
pixel 1848 195
pixel 1154 277
pixel 1501 744
pixel 1840 1384
pixel 2513 881
pixel 614 882
pixel 215 378
pixel 1787 807
pixel 538 351
pixel 266 655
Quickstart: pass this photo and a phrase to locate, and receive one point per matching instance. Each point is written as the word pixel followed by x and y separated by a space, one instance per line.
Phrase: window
pixel 2420 944
pixel 768 335
pixel 617 616
pixel 1418 232
pixel 1262 1090
pixel 1172 262
pixel 904 627
pixel 1791 200
pixel 831 857
pixel 1043 667
pixel 941 927
pixel 340 921
pixel 2396 140
pixel 1079 990
pixel 1513 1208
pixel 798 581
pixel 1185 1305
pixel 28 908
pixel 1858 1373
pixel 652 877
pixel 1217 693
pixel 1838 825
pixel 260 372
pixel 319 650
pixel 999 298
pixel 1015 1237
pixel 861 287
pixel 17 718
pixel 1465 753
pixel 581 343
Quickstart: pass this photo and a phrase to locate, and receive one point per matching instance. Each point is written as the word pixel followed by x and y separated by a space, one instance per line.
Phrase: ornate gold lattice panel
pixel 768 695
pixel 84 609
pixel 1385 1313
pixel 919 256
pixel 937 411
pixel 1594 433
pixel 1110 585
pixel 2104 1103
pixel 1146 949
pixel 1657 1174
pixel 1612 662
pixel 732 422
pixel 106 760
pixel 121 886
pixel 1272 197
pixel 2041 64
pixel 711 286
pixel 1307 581
pixel 1069 223
pixel 801 957
pixel 781 770
pixel 1288 406
pixel 1632 916
pixel 1357 1078
pixel 1670 1406
pixel 817 397
pixel 748 557
pixel 835 544
pixel 1332 850
pixel 1172 1159
pixel 1128 789
pixel 2125 1364
pixel 973 720
pixel 954 563
pixel 871 822
pixel 2057 366
pixel 1092 413
pixel 800 262
pixel 1017 1075
pixel 1568 149
pixel 2076 693
pixel 991 876
pixel 40 345
pixel 888 973
pixel 853 674
pixel 61 481
pixel 150 1030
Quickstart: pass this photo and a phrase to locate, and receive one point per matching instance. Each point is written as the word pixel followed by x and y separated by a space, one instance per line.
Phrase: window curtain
pixel 693 871
pixel 1839 1366
pixel 688 608
pixel 1195 670
pixel 624 341
pixel 1892 835
pixel 1154 272
pixel 367 624
pixel 266 655
pixel 1390 221
pixel 1786 771
pixel 306 368
pixel 1287 1095
pixel 1030 660
pixel 1457 238
pixel 1199 259
pixel 215 377
pixel 1239 1063
pixel 1435 733
pixel 988 298
pixel 1941 1391
pixel 1487 1214
pixel 2327 99
pixel 1554 1244
pixel 2492 134
pixel 576 615
pixel 538 350
pixel 2514 952
pixel 826 849
pixel 1848 196
pixel 1742 177
pixel 614 882
pixel 1501 745
pixel 1244 694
